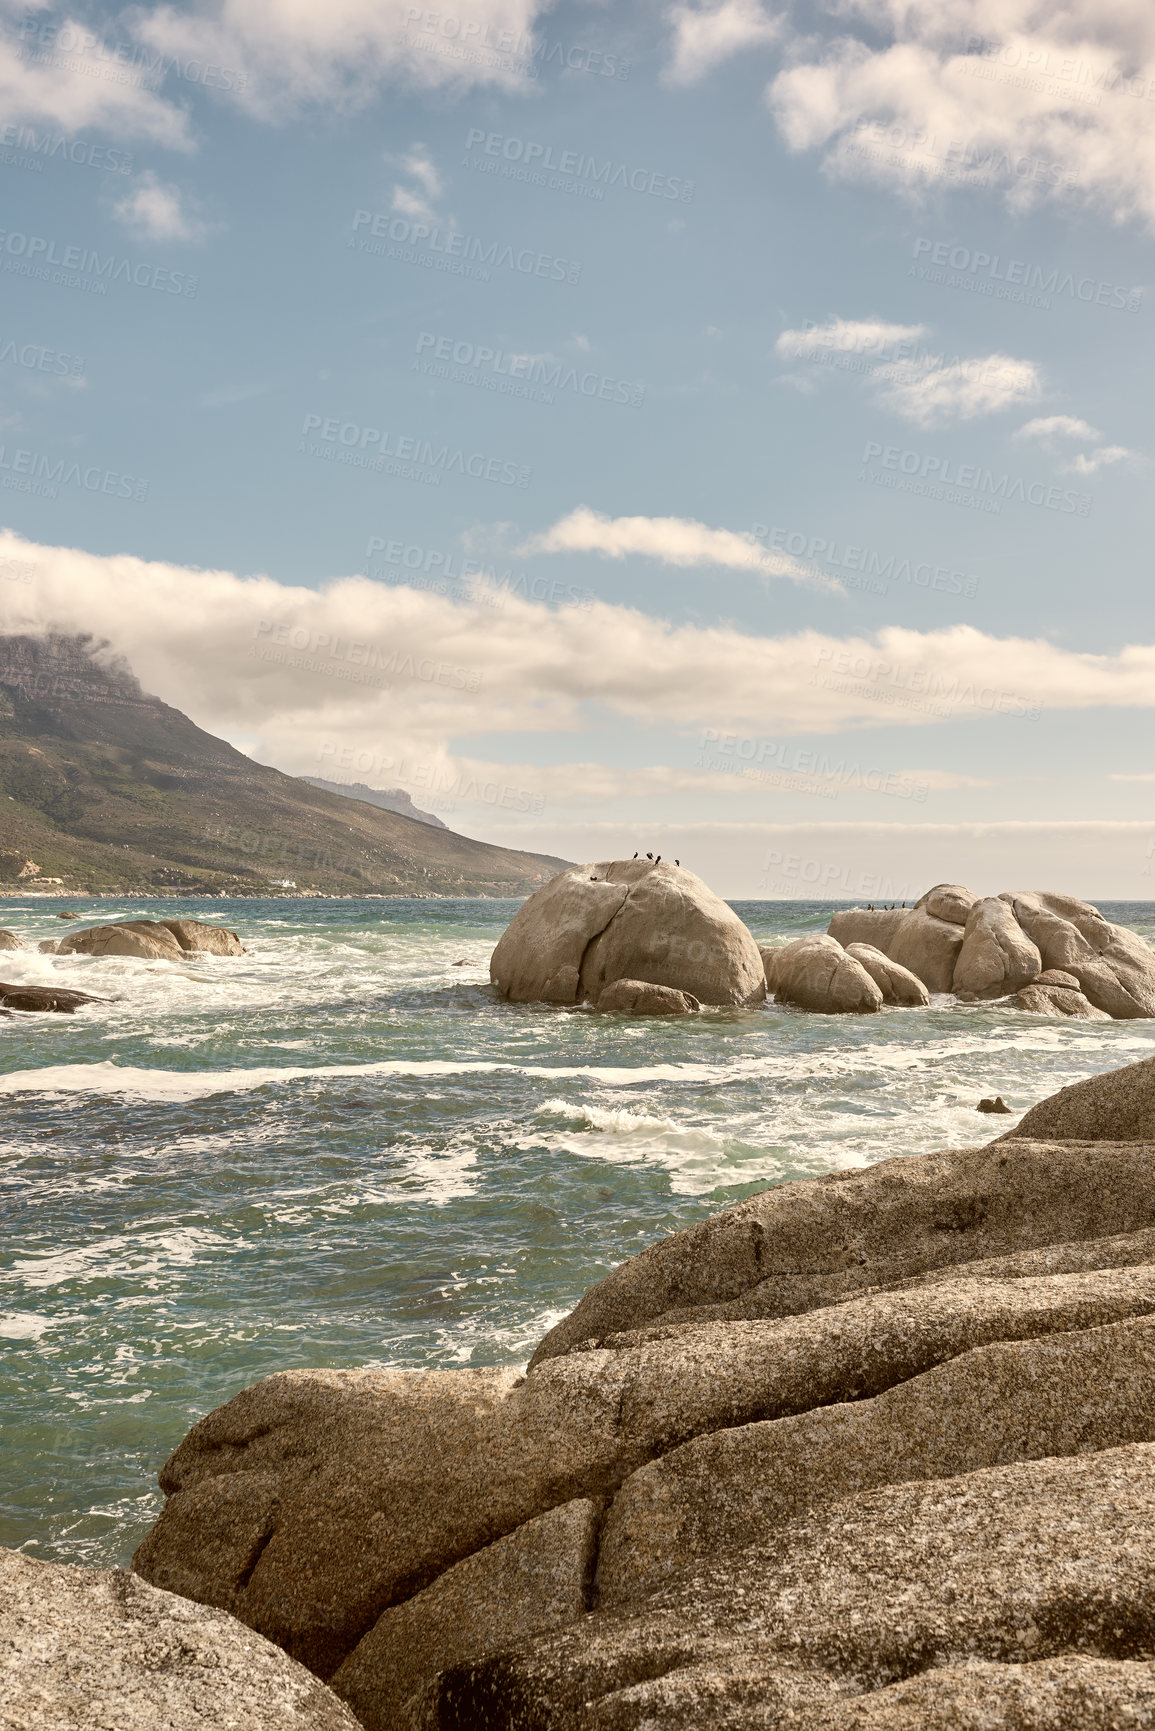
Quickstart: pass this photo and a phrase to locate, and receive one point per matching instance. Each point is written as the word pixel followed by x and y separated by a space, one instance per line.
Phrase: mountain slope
pixel 386 799
pixel 113 790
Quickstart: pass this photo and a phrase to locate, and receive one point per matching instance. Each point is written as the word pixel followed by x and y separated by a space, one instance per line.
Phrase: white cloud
pixel 705 36
pixel 290 54
pixel 54 74
pixel 156 211
pixel 1019 95
pixel 1064 426
pixel 847 336
pixel 931 392
pixel 676 541
pixel 357 661
pixel 417 202
pixel 1049 430
pixel 925 388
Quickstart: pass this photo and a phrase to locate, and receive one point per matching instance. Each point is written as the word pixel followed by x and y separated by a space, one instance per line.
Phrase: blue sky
pixel 724 427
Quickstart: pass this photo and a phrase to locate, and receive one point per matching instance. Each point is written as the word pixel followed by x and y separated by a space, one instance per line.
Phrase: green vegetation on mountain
pixel 111 790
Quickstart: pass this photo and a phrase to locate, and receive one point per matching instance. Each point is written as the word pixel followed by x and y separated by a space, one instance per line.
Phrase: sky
pixel 721 430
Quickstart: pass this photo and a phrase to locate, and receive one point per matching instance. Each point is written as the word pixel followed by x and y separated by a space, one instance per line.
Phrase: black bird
pixel 649 856
pixel 658 861
pixel 635 856
pixel 677 862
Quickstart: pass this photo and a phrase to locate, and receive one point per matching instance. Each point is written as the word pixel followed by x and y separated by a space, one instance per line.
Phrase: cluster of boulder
pixel 870 1452
pixel 650 938
pixel 993 947
pixel 152 940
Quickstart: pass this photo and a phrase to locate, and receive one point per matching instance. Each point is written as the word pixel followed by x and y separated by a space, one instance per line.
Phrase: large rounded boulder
pixel 151 940
pixel 639 920
pixel 815 973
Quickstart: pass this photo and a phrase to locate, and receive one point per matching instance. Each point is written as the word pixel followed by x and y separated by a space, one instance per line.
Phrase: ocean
pixel 341 1149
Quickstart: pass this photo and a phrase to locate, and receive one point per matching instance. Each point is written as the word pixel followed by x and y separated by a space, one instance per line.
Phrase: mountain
pixel 386 799
pixel 112 790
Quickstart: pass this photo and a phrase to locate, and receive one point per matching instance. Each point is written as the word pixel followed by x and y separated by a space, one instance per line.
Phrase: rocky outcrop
pixel 89 1648
pixel 18 997
pixel 816 973
pixel 1048 954
pixel 150 940
pixel 634 920
pixel 871 1450
pixel 9 941
pixel 1118 1106
pixel 897 985
pixel 639 998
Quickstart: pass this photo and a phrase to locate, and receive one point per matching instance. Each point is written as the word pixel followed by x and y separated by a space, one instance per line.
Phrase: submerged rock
pixel 997 1104
pixel 1042 1000
pixel 9 941
pixel 639 998
pixel 626 920
pixel 816 973
pixel 18 997
pixel 150 940
pixel 99 1648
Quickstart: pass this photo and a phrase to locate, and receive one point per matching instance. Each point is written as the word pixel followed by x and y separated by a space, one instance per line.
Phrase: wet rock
pixel 9 941
pixel 18 997
pixel 997 956
pixel 816 973
pixel 1118 1106
pixel 639 998
pixel 534 1578
pixel 897 985
pixel 151 940
pixel 803 1244
pixel 99 1648
pixel 997 1104
pixel 626 919
pixel 1057 1001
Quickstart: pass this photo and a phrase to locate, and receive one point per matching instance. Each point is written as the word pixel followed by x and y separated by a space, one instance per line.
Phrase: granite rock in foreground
pixel 100 1650
pixel 875 1450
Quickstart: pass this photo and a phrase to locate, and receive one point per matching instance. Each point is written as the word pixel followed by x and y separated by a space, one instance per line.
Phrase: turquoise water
pixel 341 1149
